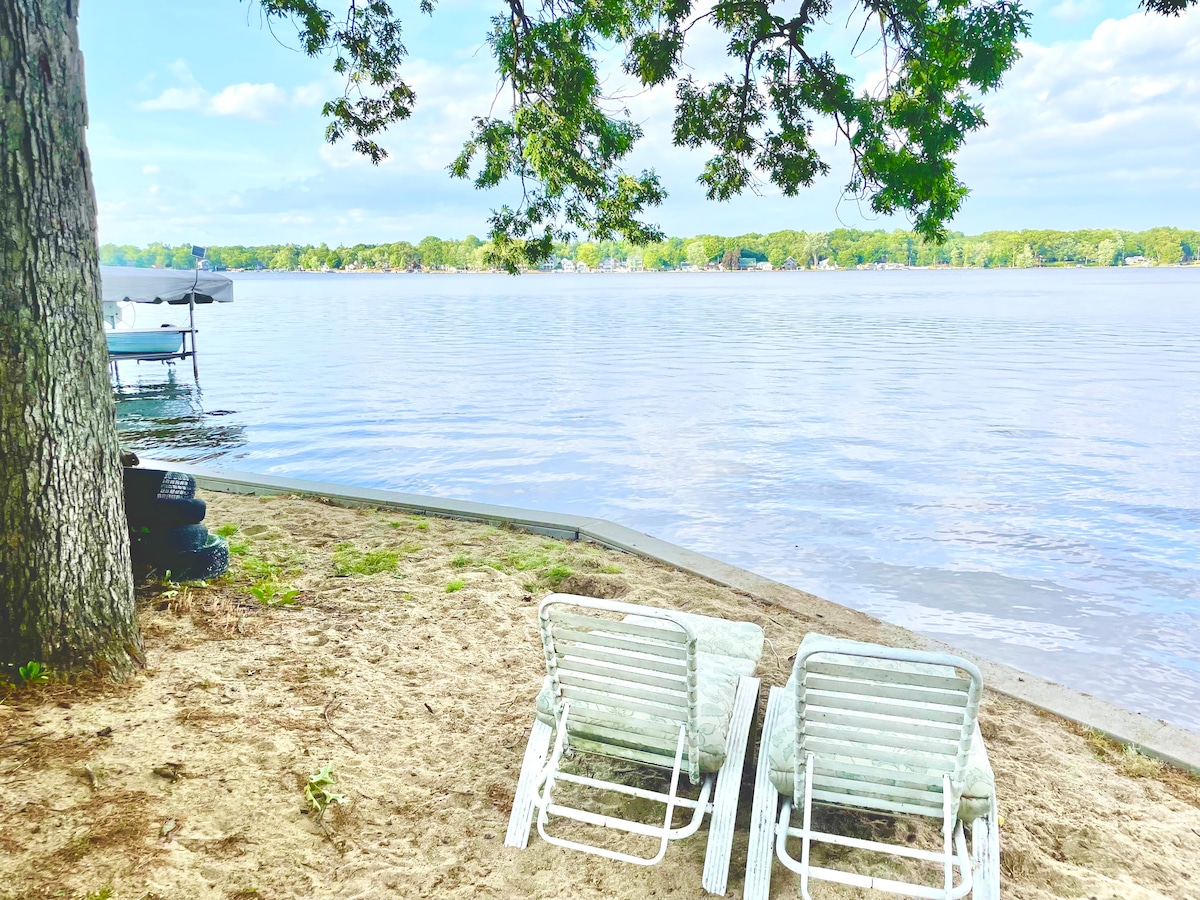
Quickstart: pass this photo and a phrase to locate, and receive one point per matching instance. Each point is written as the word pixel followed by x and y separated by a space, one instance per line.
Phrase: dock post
pixel 192 327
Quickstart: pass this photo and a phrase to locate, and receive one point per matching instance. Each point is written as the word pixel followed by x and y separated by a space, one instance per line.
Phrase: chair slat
pixel 641 661
pixel 661 710
pixel 626 673
pixel 592 716
pixel 930 746
pixel 669 651
pixel 624 689
pixel 668 632
pixel 631 740
pixel 853 786
pixel 887 676
pixel 889 691
pixel 612 751
pixel 840 799
pixel 839 767
pixel 881 707
pixel 891 756
pixel 891 725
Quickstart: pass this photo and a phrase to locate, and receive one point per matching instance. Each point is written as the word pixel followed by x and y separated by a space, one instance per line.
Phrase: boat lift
pixel 125 286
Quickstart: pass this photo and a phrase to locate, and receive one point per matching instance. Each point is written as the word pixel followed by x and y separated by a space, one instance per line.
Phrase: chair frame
pixel 771 828
pixel 636 659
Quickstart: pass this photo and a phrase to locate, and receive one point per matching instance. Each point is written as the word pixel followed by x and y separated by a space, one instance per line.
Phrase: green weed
pixel 319 791
pixel 349 560
pixel 258 568
pixel 227 530
pixel 456 585
pixel 34 673
pixel 461 561
pixel 270 593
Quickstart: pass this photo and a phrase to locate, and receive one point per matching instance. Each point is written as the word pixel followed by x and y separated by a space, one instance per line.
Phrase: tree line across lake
pixel 843 247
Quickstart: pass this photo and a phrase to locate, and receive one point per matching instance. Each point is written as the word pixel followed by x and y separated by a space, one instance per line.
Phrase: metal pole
pixel 192 326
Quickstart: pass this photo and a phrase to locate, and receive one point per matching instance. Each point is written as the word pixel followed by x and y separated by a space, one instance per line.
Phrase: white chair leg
pixel 531 766
pixel 985 850
pixel 729 787
pixel 761 855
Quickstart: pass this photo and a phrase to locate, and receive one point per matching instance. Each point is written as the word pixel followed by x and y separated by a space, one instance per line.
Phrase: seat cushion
pixel 979 784
pixel 717 677
pixel 739 640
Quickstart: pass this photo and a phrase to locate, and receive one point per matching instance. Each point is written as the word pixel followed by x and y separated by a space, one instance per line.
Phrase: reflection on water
pixel 168 414
pixel 1007 460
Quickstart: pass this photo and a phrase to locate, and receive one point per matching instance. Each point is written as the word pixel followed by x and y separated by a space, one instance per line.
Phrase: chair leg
pixel 729 787
pixel 761 855
pixel 531 766
pixel 985 849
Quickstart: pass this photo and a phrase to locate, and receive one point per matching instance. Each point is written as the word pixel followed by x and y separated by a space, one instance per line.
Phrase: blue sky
pixel 206 127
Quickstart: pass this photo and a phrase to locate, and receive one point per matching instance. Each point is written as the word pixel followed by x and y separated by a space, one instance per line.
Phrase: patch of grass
pixel 557 575
pixel 349 560
pixel 105 893
pixel 228 530
pixel 524 560
pixel 1126 757
pixel 456 585
pixel 257 567
pixel 1137 765
pixel 461 561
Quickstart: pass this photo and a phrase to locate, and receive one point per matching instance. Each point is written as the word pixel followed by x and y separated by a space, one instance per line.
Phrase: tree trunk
pixel 66 585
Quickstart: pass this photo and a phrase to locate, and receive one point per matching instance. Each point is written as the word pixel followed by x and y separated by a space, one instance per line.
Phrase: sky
pixel 205 127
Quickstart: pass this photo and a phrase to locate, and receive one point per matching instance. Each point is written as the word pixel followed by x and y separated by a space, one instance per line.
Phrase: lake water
pixel 1006 460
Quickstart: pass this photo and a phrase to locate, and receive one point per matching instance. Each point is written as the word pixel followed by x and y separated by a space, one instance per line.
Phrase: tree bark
pixel 66 585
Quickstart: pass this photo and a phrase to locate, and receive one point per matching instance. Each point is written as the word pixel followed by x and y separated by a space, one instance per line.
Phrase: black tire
pixel 203 563
pixel 161 514
pixel 147 485
pixel 179 539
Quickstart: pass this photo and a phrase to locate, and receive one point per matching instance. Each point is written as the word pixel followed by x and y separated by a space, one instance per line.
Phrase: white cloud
pixel 310 94
pixel 242 101
pixel 177 99
pixel 150 170
pixel 1096 126
pixel 1075 10
pixel 248 101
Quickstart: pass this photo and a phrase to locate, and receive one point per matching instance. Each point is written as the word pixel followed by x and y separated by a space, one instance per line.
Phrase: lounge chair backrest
pixel 630 685
pixel 884 724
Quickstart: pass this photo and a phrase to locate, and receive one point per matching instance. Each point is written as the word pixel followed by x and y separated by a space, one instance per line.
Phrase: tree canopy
pixel 843 247
pixel 564 140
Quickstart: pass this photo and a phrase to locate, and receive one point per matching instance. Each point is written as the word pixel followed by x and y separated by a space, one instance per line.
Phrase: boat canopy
pixel 174 286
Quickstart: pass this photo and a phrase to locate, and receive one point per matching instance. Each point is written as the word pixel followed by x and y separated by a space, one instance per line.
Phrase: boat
pixel 126 287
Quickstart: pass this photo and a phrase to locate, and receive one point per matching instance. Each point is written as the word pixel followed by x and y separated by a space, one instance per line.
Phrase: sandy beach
pixel 408 662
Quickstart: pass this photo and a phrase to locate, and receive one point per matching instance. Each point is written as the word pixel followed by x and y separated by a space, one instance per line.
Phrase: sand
pixel 416 685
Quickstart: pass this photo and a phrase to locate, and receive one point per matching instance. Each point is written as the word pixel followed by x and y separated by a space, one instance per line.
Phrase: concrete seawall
pixel 1153 737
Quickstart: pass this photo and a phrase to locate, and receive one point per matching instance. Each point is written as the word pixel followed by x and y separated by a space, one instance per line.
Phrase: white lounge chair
pixel 868 727
pixel 650 686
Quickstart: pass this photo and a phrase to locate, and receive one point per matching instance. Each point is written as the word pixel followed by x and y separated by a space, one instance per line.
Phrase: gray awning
pixel 174 286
